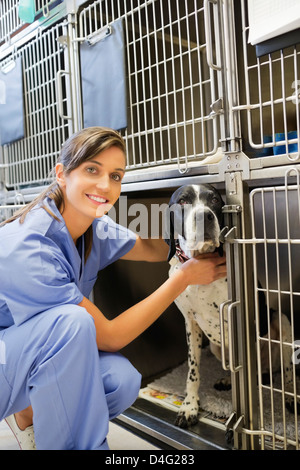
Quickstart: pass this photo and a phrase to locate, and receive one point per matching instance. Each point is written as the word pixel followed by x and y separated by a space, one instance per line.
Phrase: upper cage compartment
pixel 12 23
pixel 9 19
pixel 45 105
pixel 269 71
pixel 170 87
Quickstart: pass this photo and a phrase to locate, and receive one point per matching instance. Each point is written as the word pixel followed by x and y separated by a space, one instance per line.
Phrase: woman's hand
pixel 204 269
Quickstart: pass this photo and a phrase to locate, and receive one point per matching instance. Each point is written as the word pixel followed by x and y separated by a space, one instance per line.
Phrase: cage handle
pixel 59 76
pixel 19 199
pixel 230 366
pixel 208 38
pixel 222 334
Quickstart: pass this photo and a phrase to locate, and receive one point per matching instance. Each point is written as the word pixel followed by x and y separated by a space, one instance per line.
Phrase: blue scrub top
pixel 40 266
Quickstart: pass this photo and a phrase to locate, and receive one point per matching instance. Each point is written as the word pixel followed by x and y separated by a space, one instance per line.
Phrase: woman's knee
pixel 130 380
pixel 121 381
pixel 71 322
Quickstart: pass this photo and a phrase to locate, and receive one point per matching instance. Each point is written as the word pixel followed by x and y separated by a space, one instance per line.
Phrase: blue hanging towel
pixel 11 102
pixel 103 75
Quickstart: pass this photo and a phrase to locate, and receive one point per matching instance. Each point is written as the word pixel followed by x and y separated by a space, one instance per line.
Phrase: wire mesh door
pixel 47 111
pixel 170 85
pixel 269 96
pixel 275 214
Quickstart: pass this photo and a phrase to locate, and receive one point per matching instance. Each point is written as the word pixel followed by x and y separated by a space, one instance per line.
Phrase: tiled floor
pixel 118 439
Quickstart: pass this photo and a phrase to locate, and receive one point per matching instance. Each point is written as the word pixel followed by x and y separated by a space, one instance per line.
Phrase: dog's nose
pixel 208 216
pixel 205 217
pixel 205 224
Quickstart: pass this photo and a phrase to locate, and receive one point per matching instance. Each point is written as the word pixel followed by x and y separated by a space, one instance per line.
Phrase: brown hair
pixel 80 147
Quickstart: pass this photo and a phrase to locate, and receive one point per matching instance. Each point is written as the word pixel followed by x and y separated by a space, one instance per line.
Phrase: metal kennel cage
pixel 263 311
pixel 276 274
pixel 27 162
pixel 10 22
pixel 195 88
pixel 269 96
pixel 263 195
pixel 170 86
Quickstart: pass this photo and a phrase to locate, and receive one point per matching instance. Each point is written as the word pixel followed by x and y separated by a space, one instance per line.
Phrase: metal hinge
pixel 233 163
pixel 238 425
pixel 232 209
pixel 63 40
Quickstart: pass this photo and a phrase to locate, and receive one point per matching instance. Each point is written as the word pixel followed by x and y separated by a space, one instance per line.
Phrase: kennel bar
pixel 170 86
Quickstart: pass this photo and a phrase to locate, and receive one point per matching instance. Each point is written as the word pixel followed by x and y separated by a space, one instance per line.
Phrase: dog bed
pixel 169 391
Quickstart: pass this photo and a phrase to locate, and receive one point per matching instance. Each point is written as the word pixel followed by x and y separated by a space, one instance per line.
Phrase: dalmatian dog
pixel 193 226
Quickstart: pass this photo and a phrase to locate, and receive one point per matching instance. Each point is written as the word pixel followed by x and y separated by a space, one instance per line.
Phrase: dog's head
pixel 194 220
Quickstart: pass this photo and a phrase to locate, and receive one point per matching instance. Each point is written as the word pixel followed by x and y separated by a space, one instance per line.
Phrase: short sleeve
pixel 113 240
pixel 36 277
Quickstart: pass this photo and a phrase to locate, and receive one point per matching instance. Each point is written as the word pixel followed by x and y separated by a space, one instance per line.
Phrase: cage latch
pixel 63 40
pixel 217 108
pixel 8 67
pixel 102 34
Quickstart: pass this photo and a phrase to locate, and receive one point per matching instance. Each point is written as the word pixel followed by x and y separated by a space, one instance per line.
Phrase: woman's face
pixel 93 188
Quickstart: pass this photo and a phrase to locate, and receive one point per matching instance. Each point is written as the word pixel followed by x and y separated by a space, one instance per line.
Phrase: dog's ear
pixel 169 232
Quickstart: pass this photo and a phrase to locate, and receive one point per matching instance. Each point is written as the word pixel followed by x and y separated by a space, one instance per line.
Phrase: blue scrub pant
pixel 52 362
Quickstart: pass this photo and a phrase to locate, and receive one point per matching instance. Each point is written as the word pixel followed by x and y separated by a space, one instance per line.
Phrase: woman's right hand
pixel 204 269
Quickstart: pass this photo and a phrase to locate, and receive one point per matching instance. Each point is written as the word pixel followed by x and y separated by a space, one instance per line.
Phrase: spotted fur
pixel 198 304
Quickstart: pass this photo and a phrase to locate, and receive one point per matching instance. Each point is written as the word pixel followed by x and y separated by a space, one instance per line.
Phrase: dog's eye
pixel 215 200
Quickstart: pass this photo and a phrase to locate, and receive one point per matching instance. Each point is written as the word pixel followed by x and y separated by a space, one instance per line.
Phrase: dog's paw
pixel 188 415
pixel 223 384
pixel 183 421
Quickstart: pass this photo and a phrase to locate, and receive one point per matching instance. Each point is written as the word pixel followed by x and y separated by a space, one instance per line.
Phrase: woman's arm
pixel 112 335
pixel 148 249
